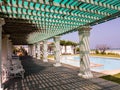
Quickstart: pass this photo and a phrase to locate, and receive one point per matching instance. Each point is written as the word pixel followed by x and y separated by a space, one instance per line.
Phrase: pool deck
pixel 106 57
pixel 44 76
pixel 111 72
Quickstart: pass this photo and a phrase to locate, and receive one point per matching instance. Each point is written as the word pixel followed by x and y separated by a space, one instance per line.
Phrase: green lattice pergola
pixel 42 19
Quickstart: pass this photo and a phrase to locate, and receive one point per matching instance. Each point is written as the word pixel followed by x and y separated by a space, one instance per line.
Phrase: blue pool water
pixel 107 63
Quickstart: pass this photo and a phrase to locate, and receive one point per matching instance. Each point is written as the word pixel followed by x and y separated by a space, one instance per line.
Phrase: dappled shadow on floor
pixel 43 76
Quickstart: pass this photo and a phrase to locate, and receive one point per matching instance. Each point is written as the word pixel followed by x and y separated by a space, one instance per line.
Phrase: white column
pixel 38 50
pixel 8 48
pixel 84 52
pixel 5 48
pixel 11 51
pixel 1 23
pixel 34 51
pixel 57 51
pixel 45 51
pixel 0 55
pixel 30 50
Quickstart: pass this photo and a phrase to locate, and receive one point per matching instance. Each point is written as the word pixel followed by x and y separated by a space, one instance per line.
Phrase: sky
pixel 107 33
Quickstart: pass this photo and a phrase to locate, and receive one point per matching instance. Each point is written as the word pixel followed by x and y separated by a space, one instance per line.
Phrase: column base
pixel 87 76
pixel 57 64
pixel 34 56
pixel 2 87
pixel 45 60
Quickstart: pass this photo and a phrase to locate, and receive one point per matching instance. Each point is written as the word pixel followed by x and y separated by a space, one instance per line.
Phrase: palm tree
pixel 74 47
pixel 67 43
pixel 64 43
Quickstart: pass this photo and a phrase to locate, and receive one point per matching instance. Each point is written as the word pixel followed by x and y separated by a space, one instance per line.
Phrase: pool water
pixel 107 63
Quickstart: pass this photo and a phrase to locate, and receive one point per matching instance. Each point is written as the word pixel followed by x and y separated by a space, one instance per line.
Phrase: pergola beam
pixel 78 16
pixel 38 36
pixel 49 11
pixel 101 4
pixel 47 18
pixel 116 15
pixel 35 20
pixel 74 8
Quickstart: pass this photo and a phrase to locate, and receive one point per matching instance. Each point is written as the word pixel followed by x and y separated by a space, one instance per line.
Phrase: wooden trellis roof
pixel 30 21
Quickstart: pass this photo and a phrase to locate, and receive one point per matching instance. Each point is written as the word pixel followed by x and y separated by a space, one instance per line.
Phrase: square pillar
pixel 5 48
pixel 57 51
pixel 30 50
pixel 10 50
pixel 45 53
pixel 34 51
pixel 84 34
pixel 1 23
pixel 38 50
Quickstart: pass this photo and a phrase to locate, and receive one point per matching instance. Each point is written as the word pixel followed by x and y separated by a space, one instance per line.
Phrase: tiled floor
pixel 44 76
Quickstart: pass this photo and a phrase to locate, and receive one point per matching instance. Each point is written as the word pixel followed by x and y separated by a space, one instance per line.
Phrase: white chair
pixel 4 73
pixel 12 69
pixel 16 71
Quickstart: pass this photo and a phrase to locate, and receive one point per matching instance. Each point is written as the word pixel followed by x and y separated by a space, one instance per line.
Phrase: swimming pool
pixel 106 63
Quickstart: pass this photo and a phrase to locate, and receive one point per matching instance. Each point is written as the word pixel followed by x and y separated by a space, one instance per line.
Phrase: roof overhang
pixel 31 21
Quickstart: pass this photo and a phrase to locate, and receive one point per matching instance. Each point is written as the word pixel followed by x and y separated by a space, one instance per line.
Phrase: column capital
pixel 2 22
pixel 38 43
pixel 45 41
pixel 6 36
pixel 56 38
pixel 84 28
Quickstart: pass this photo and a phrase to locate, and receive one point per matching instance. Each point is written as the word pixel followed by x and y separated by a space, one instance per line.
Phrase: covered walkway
pixel 33 23
pixel 44 76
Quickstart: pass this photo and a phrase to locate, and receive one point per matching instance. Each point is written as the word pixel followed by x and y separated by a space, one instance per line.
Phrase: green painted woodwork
pixel 57 17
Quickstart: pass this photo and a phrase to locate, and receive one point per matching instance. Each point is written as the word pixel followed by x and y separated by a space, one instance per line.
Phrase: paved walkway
pixel 43 76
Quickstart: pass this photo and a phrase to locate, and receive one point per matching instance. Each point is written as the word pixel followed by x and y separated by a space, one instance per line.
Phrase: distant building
pixel 67 50
pixel 114 51
pixel 109 51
